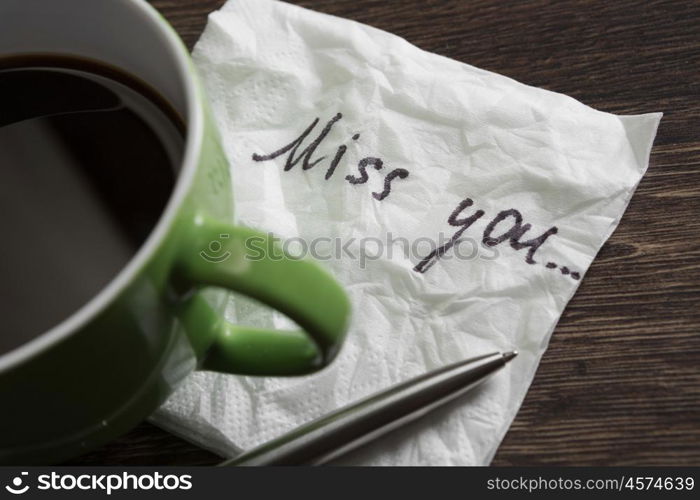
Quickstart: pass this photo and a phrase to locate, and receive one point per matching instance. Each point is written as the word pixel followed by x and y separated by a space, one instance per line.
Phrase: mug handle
pixel 250 262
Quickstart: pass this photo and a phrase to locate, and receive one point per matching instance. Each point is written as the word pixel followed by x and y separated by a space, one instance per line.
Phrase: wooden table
pixel 620 383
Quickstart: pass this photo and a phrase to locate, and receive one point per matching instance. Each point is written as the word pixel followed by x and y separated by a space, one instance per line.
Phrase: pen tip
pixel 507 356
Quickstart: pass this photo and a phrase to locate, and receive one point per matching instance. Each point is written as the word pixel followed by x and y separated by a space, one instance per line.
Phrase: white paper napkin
pixel 425 145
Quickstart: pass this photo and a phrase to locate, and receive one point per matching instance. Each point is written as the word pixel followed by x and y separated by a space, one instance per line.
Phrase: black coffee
pixel 88 160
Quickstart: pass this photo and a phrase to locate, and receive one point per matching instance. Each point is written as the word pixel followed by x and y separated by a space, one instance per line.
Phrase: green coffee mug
pixel 112 362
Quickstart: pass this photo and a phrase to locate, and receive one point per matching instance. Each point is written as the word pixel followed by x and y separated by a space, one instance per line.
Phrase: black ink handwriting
pixel 308 162
pixel 513 235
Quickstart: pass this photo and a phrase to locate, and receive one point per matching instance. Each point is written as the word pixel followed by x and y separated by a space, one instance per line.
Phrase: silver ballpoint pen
pixel 352 426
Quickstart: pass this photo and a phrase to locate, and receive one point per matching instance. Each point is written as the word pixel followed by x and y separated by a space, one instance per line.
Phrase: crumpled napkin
pixel 470 207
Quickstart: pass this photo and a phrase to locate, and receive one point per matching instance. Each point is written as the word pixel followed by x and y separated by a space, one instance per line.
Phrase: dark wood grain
pixel 620 383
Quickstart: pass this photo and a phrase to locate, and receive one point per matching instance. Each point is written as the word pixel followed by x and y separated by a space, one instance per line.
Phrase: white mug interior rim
pixel 195 130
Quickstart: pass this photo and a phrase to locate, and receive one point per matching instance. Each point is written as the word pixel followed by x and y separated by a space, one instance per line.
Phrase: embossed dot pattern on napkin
pixel 459 208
